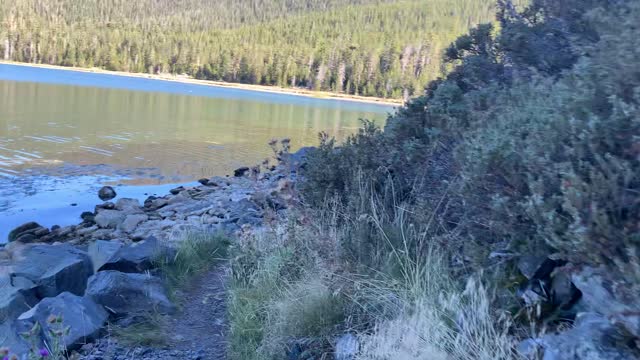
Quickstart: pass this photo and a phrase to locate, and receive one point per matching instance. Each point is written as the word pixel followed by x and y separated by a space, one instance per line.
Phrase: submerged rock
pixel 106 193
pixel 80 315
pixel 240 172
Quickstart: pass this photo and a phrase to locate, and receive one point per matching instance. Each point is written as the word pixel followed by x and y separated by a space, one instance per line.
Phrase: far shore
pixel 189 80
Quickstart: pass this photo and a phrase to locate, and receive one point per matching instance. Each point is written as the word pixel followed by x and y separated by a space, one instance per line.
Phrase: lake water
pixel 64 134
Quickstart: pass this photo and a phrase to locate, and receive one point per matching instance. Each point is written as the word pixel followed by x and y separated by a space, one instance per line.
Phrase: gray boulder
pixel 10 338
pixel 109 219
pixel 607 296
pixel 17 295
pixel 53 268
pixel 83 318
pixel 593 337
pixel 28 232
pixel 137 257
pixel 102 251
pixel 132 221
pixel 129 294
pixel 129 206
pixel 106 193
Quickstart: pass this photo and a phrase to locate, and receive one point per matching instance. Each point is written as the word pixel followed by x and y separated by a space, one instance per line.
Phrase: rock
pixel 608 297
pixel 53 268
pixel 137 257
pixel 530 349
pixel 204 182
pixel 153 203
pixel 83 317
pixel 88 217
pixel 17 295
pixel 110 219
pixel 101 252
pixel 347 347
pixel 129 206
pixel 298 159
pixel 106 193
pixel 126 294
pixel 536 267
pixel 28 232
pixel 131 222
pixel 176 191
pixel 563 292
pixel 10 338
pixel 592 337
pixel 105 206
pixel 240 172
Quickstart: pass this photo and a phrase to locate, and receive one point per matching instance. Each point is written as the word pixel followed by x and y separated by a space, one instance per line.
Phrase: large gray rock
pixel 17 295
pixel 52 268
pixel 132 221
pixel 126 294
pixel 609 297
pixel 129 206
pixel 83 318
pixel 10 338
pixel 109 219
pixel 106 193
pixel 137 257
pixel 102 251
pixel 593 337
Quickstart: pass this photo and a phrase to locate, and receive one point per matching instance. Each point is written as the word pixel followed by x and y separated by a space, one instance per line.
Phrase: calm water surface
pixel 64 134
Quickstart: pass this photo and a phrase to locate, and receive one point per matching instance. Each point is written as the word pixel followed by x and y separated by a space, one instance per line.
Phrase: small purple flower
pixel 5 358
pixel 44 352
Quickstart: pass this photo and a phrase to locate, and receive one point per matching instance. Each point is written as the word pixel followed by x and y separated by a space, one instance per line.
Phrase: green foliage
pixel 195 254
pixel 384 48
pixel 528 144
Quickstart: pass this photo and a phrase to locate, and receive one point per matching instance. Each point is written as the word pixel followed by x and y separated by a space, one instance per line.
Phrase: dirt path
pixel 201 325
pixel 196 332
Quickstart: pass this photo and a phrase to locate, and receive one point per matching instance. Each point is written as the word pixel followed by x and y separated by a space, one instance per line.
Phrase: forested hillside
pixel 384 48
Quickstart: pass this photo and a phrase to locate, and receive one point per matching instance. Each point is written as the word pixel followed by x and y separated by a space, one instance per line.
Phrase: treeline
pixel 381 48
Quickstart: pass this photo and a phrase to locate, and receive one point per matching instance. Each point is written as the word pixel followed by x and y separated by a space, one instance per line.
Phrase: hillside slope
pixel 384 48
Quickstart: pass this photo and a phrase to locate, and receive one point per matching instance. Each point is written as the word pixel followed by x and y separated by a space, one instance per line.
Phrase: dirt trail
pixel 201 325
pixel 198 331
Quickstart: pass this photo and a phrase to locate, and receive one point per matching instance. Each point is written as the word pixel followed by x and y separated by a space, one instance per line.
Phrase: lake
pixel 64 134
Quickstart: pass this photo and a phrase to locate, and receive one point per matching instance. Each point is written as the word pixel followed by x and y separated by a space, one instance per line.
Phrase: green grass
pixel 196 254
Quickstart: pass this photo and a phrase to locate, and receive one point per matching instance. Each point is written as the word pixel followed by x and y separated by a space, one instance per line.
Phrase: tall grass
pixel 369 270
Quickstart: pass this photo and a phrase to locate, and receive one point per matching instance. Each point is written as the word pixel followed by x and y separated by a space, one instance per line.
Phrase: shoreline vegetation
pixel 185 79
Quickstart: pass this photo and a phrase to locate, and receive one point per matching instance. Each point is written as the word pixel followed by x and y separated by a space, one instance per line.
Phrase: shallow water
pixel 64 134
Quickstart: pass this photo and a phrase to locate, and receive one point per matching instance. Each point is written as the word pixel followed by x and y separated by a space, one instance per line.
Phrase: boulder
pixel 536 267
pixel 28 232
pixel 53 268
pixel 132 221
pixel 153 203
pixel 176 191
pixel 88 217
pixel 610 297
pixel 109 219
pixel 125 294
pixel 106 193
pixel 10 338
pixel 204 181
pixel 129 206
pixel 592 337
pixel 137 257
pixel 101 252
pixel 240 172
pixel 80 315
pixel 17 295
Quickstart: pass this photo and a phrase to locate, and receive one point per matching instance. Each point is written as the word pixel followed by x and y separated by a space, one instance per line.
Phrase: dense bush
pixel 530 144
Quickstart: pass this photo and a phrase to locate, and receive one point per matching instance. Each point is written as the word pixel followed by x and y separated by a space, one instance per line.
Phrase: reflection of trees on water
pixel 168 132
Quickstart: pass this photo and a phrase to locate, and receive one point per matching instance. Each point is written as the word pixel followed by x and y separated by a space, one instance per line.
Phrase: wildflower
pixel 43 352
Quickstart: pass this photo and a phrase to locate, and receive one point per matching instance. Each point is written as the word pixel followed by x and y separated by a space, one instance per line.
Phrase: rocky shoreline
pixel 102 270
